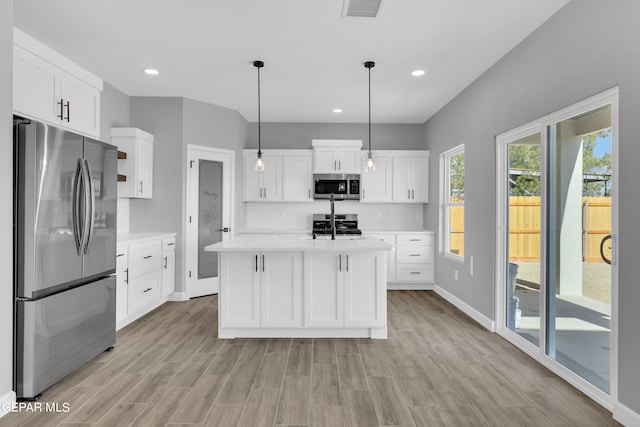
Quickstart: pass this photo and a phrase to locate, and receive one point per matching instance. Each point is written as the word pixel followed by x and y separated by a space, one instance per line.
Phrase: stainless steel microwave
pixel 342 186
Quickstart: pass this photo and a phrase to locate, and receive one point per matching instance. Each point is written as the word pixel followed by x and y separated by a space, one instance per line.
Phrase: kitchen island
pixel 302 287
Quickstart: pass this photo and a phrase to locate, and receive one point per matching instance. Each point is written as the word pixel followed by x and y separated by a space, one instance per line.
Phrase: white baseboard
pixel 178 296
pixel 409 286
pixel 466 308
pixel 6 399
pixel 625 416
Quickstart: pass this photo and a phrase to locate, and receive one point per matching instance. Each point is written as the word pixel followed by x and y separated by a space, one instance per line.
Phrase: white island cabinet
pixel 297 287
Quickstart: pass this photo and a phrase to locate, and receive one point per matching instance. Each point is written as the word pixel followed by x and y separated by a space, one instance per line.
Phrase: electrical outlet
pixel 455 274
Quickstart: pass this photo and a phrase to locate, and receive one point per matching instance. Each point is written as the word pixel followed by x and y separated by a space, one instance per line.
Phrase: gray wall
pixel 6 195
pixel 114 111
pixel 176 122
pixel 587 47
pixel 299 135
pixel 161 117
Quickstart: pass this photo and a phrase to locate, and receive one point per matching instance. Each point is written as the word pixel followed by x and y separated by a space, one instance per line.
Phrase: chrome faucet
pixel 332 218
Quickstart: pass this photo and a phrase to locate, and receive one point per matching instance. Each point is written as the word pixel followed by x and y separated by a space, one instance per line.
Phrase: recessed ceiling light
pixel 151 71
pixel 337 110
pixel 417 73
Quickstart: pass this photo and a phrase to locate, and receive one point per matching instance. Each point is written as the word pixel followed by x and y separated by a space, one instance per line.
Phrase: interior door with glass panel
pixel 208 216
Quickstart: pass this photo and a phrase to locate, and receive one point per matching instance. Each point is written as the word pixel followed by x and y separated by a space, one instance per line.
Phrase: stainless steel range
pixel 346 225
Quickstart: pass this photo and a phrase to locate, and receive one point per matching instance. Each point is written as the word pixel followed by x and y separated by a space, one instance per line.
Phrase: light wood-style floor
pixel 438 368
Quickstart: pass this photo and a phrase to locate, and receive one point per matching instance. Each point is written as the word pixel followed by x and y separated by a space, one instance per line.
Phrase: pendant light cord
pixel 259 121
pixel 369 111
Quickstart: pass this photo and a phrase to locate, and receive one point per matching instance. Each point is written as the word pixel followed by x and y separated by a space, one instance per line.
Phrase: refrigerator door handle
pixel 75 214
pixel 89 206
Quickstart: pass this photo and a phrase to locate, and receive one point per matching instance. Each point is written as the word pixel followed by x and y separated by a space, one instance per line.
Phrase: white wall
pixel 6 195
pixel 587 47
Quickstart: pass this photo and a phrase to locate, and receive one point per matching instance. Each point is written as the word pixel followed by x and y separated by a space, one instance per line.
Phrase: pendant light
pixel 371 164
pixel 259 166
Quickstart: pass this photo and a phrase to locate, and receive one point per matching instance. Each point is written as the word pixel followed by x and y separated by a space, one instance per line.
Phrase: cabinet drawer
pixel 144 258
pixel 410 273
pixel 169 244
pixel 387 238
pixel 143 291
pixel 415 239
pixel 414 255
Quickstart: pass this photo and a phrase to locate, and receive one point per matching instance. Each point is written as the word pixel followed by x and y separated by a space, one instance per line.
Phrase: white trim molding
pixel 625 416
pixel 178 296
pixel 466 308
pixel 5 400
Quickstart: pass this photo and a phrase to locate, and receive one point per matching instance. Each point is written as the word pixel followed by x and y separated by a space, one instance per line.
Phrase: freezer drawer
pixel 58 334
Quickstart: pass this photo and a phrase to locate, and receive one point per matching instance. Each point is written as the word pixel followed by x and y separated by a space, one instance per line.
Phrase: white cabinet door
pixel 143 291
pixel 239 289
pixel 281 289
pixel 297 178
pixel 390 256
pixel 377 185
pixel 252 181
pixel 324 160
pixel 144 183
pixel 348 160
pixel 323 289
pixel 364 295
pixel 272 179
pixel 122 276
pixel 81 106
pixel 401 183
pixel 419 177
pixel 168 272
pixel 36 87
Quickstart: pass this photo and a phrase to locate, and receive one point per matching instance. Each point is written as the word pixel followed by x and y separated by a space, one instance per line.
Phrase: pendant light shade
pixel 371 163
pixel 259 166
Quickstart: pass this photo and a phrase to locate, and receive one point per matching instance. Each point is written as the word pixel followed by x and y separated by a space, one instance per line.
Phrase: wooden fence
pixel 524 227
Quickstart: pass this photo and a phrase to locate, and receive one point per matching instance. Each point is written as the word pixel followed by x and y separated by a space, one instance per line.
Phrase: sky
pixel 603 146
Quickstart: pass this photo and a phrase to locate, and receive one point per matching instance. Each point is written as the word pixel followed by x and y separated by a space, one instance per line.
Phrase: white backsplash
pixel 123 215
pixel 297 216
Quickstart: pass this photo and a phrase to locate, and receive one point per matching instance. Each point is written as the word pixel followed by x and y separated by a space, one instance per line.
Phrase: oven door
pixel 326 185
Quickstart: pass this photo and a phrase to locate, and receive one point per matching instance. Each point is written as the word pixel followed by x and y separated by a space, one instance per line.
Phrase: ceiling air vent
pixel 361 8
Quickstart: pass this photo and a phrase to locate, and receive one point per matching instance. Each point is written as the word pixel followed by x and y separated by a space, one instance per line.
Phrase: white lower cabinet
pixel 261 289
pixel 145 276
pixel 342 289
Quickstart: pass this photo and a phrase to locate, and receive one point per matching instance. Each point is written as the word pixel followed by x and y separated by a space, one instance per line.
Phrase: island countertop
pixel 304 244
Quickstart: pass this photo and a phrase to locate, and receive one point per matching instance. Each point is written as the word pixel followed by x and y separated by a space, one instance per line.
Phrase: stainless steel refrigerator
pixel 65 196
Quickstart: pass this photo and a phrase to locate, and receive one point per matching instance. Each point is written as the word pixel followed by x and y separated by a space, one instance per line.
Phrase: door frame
pixel 195 153
pixel 608 97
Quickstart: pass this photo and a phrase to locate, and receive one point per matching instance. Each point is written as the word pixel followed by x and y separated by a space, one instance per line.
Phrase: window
pixel 452 203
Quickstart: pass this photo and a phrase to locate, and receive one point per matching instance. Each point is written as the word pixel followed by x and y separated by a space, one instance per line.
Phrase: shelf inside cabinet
pixel 122 155
pixel 122 178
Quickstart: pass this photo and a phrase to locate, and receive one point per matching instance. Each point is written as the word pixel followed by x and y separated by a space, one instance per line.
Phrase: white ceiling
pixel 313 57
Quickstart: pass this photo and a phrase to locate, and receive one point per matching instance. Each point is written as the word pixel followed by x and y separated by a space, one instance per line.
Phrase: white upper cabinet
pixel 266 185
pixel 411 178
pixel 376 186
pixel 287 176
pixel 137 167
pixel 49 87
pixel 336 156
pixel 298 178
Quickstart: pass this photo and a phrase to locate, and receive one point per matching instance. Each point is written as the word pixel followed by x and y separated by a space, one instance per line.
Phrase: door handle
pixel 75 214
pixel 61 104
pixel 91 197
pixel 224 230
pixel 68 111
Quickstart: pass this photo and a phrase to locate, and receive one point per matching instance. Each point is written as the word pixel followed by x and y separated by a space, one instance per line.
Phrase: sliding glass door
pixel 556 222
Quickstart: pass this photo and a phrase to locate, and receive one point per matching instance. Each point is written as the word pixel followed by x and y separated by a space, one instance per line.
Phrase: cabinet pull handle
pixel 414 255
pixel 335 167
pixel 309 193
pixel 415 240
pixel 256 263
pixel 408 194
pixel 119 255
pixel 260 196
pixel 141 186
pixel 148 256
pixel 265 193
pixel 165 262
pixel 170 244
pixel 414 272
pixel 339 165
pixel 340 265
pixel 263 263
pixel 147 290
pixel 412 195
pixel 347 262
pixel 61 104
pixel 68 111
pixel 126 280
